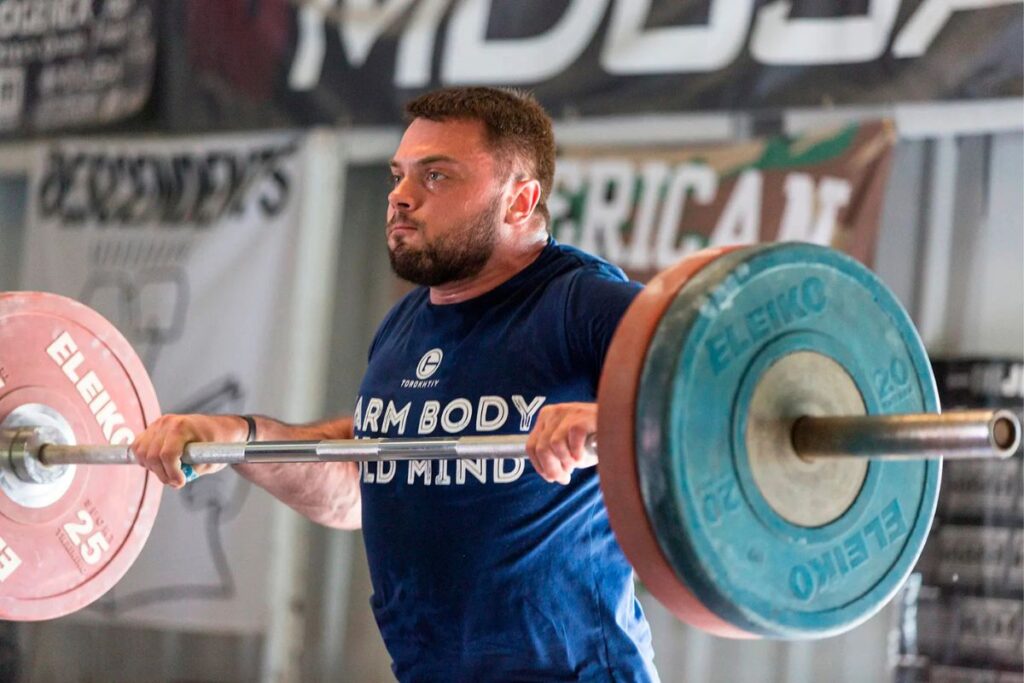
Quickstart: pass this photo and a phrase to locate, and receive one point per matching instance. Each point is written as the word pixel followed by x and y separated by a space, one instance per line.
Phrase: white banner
pixel 189 247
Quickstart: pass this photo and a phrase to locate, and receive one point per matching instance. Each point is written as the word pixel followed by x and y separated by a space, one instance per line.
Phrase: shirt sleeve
pixel 597 299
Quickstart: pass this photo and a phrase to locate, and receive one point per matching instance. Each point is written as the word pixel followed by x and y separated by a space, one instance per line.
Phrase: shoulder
pixel 579 266
pixel 593 278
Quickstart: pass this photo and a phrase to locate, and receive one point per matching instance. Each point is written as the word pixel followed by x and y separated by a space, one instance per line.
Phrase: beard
pixel 458 254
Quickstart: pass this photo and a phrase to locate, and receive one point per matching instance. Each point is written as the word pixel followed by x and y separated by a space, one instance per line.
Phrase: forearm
pixel 327 493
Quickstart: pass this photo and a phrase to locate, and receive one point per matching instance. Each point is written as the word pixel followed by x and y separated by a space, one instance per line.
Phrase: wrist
pixel 249 434
pixel 228 428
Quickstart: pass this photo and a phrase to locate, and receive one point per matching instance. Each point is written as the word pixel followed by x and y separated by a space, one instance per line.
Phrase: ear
pixel 525 197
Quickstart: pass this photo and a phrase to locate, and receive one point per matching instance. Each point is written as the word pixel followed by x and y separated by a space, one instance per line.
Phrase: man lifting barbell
pixel 767 419
pixel 479 573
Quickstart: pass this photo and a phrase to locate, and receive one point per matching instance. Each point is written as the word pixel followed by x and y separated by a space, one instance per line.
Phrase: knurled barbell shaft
pixel 967 434
pixel 340 450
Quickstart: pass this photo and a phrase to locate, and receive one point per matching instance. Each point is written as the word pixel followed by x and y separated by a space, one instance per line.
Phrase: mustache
pixel 402 219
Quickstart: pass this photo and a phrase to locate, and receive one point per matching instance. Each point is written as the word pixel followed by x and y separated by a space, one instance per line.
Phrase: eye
pixel 434 176
pixel 395 179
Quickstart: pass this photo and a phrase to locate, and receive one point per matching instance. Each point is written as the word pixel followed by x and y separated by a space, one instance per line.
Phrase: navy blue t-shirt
pixel 481 570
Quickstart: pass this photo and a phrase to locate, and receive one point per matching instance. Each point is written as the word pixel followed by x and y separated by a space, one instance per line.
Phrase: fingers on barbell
pixel 538 448
pixel 567 459
pixel 557 444
pixel 160 447
pixel 166 458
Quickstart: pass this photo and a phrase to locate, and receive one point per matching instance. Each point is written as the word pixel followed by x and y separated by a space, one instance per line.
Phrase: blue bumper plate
pixel 737 318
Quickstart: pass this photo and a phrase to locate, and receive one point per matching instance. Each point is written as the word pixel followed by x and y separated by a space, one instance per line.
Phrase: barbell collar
pixel 955 435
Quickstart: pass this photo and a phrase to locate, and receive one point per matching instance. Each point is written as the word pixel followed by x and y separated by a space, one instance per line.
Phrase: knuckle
pixel 169 457
pixel 560 432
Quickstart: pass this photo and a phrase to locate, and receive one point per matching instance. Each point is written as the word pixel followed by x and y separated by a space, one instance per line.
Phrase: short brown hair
pixel 517 127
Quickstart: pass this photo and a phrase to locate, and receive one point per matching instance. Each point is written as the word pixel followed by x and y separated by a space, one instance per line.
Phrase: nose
pixel 402 196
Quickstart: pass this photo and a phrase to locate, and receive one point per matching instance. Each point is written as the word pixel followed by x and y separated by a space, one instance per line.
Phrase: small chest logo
pixel 429 364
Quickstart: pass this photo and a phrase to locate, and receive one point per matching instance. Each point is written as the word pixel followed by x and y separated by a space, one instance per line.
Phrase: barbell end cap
pixel 23 447
pixel 1005 428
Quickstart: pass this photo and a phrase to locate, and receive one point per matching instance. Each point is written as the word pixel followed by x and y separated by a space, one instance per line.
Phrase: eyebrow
pixel 432 159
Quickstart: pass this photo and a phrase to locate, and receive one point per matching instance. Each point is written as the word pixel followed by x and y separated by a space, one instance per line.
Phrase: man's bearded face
pixel 454 254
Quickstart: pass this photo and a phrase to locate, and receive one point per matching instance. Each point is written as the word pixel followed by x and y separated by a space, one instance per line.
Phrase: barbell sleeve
pixel 954 435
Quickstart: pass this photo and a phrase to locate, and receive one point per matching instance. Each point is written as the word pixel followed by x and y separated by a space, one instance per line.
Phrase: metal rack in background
pixel 961 617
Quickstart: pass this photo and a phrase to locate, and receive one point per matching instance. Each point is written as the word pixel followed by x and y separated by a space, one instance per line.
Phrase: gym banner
pixel 188 247
pixel 284 62
pixel 646 208
pixel 74 63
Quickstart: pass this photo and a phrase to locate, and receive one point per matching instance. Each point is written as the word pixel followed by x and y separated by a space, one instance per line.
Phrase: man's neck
pixel 503 265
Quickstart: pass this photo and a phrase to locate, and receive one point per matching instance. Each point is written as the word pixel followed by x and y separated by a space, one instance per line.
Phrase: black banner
pixel 241 63
pixel 74 63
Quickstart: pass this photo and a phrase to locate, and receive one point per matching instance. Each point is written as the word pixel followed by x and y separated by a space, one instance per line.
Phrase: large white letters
pixel 631 50
pixel 501 476
pixel 357 415
pixel 798 220
pixel 428 418
pixel 373 410
pixel 778 39
pixel 699 179
pixel 419 468
pixel 740 222
pixel 478 468
pixel 442 478
pixel 607 207
pixel 395 418
pixel 652 177
pixel 416 48
pixel 361 23
pixel 918 33
pixel 386 471
pixel 308 62
pixel 471 58
pixel 463 408
pixel 484 423
pixel 527 410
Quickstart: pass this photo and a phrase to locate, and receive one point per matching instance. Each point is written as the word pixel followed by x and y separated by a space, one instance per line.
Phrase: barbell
pixel 769 436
